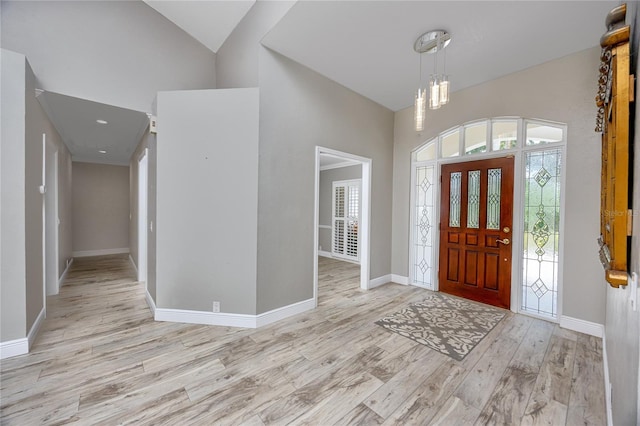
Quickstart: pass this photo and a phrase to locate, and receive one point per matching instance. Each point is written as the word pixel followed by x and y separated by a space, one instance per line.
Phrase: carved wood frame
pixel 613 98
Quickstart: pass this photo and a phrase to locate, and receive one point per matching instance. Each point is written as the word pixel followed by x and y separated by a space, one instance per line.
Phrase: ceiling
pixel 75 121
pixel 366 46
pixel 328 161
pixel 209 22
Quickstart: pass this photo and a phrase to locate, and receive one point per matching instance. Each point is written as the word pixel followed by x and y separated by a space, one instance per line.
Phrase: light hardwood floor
pixel 101 359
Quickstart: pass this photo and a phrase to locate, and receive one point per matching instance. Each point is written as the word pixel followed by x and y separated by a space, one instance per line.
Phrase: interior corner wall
pixel 148 141
pixel 34 202
pixel 299 110
pixel 100 208
pixel 622 325
pixel 327 177
pixel 560 90
pixel 114 52
pixel 13 318
pixel 207 195
pixel 41 123
pixel 237 60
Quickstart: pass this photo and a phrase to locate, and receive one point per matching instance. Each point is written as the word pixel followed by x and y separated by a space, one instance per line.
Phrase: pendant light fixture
pixel 420 103
pixel 431 42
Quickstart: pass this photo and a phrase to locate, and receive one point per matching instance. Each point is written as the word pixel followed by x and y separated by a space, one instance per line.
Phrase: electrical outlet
pixel 216 306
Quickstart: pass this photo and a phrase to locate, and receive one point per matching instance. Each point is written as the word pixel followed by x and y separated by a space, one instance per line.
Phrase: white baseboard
pixel 324 253
pixel 31 337
pixel 151 303
pixel 64 274
pixel 399 279
pixel 231 320
pixel 284 312
pixel 377 282
pixel 607 382
pixel 207 318
pixel 14 348
pixel 133 264
pixel 582 326
pixel 17 347
pixel 88 253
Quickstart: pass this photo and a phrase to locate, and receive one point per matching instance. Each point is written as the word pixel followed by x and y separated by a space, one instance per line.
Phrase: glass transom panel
pixel 504 135
pixel 540 133
pixel 427 153
pixel 475 138
pixel 450 144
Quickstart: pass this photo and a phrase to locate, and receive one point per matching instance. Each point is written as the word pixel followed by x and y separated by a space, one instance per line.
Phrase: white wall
pixel 207 183
pixel 300 109
pixel 327 177
pixel 115 52
pixel 561 90
pixel 100 208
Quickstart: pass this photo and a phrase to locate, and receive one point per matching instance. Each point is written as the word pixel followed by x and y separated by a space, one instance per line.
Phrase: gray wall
pixel 237 59
pixel 23 122
pixel 100 207
pixel 12 214
pixel 33 203
pixel 115 52
pixel 148 141
pixel 300 109
pixel 622 326
pixel 560 90
pixel 327 177
pixel 207 182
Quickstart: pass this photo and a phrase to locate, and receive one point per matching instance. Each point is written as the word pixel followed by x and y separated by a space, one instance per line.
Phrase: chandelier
pixel 438 85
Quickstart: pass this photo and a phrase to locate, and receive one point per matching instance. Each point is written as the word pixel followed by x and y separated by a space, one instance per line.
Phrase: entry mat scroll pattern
pixel 446 324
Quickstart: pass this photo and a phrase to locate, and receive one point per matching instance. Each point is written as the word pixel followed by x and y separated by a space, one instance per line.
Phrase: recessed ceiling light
pixel 101 121
pixel 102 151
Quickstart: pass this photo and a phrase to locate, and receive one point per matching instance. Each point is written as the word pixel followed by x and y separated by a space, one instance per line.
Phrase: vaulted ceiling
pixel 367 46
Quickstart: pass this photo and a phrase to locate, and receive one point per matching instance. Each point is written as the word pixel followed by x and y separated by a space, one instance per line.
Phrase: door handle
pixel 506 241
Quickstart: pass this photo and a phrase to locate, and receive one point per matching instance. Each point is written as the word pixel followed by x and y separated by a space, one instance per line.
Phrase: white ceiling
pixel 209 22
pixel 75 121
pixel 367 46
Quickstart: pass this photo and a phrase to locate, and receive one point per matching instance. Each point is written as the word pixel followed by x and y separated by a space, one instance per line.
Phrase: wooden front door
pixel 476 221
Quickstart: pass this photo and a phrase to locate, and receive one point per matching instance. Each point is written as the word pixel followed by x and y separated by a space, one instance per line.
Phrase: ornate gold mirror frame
pixel 614 95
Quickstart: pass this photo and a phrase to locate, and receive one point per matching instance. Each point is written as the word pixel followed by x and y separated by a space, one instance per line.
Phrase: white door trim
pixel 365 224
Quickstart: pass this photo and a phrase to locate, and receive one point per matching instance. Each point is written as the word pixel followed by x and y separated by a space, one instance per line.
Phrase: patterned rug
pixel 447 324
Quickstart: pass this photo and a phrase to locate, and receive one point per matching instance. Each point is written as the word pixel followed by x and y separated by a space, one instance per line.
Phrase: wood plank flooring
pixel 100 358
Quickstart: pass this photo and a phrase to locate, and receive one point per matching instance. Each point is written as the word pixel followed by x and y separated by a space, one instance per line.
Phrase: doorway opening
pixel 143 162
pixel 342 215
pixel 51 219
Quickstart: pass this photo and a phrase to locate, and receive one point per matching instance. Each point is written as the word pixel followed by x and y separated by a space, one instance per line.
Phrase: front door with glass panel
pixel 346 220
pixel 476 219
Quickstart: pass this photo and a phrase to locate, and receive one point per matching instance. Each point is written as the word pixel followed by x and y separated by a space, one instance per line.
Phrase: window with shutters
pixel 346 220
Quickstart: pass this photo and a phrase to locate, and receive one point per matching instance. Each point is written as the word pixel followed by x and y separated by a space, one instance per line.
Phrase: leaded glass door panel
pixel 476 217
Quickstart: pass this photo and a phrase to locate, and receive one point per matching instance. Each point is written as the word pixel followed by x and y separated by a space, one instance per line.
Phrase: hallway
pixel 100 358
